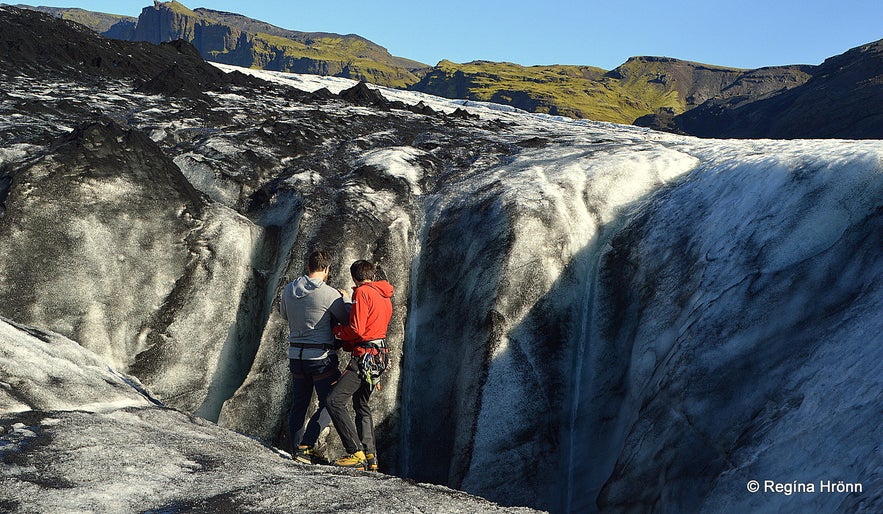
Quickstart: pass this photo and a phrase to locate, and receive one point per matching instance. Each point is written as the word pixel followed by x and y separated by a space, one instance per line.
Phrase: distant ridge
pixel 31 42
pixel 98 21
pixel 641 86
pixel 842 99
pixel 231 38
pixel 839 98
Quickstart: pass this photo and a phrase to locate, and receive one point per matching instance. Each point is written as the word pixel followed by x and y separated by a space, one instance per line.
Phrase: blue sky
pixel 743 34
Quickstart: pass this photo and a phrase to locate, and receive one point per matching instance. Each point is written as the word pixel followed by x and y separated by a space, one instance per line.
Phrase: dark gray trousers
pixel 358 435
pixel 306 376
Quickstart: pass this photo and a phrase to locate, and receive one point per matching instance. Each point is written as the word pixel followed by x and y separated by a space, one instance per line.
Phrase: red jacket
pixel 369 316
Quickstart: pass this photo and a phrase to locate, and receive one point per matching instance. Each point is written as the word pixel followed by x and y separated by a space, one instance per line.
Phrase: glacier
pixel 77 436
pixel 589 317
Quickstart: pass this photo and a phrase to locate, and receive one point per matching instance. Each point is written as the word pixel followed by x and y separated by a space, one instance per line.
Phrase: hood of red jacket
pixel 381 286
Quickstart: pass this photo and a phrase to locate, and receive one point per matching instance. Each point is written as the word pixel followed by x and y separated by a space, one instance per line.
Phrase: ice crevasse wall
pixel 642 324
pixel 646 322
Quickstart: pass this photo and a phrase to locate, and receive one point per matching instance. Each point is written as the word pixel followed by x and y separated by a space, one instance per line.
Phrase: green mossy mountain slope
pixel 641 86
pixel 98 21
pixel 235 39
pixel 651 89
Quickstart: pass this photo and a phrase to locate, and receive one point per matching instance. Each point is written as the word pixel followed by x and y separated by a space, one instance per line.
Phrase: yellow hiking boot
pixel 371 462
pixel 309 455
pixel 352 461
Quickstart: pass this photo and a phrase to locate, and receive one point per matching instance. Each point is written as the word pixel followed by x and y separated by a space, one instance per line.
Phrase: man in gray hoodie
pixel 311 307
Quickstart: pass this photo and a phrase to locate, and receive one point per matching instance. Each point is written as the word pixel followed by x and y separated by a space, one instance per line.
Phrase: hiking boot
pixel 352 461
pixel 309 455
pixel 370 462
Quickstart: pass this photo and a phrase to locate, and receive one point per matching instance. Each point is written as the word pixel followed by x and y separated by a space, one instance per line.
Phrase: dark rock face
pixel 32 40
pixel 764 81
pixel 841 100
pixel 37 40
pixel 692 81
pixel 231 38
pixel 361 94
pixel 524 101
pixel 728 102
pixel 707 87
pixel 123 29
pixel 174 81
pixel 697 84
pixel 234 39
pixel 662 119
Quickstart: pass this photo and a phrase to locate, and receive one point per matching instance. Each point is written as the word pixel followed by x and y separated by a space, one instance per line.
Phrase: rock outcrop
pixel 643 88
pixel 841 100
pixel 657 92
pixel 234 39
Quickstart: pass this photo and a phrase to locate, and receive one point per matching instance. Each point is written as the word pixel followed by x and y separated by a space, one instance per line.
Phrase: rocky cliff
pixel 841 100
pixel 644 88
pixel 234 39
pixel 30 45
pixel 100 22
pixel 653 87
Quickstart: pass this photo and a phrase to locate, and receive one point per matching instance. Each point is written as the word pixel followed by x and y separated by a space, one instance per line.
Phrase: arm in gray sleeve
pixel 341 311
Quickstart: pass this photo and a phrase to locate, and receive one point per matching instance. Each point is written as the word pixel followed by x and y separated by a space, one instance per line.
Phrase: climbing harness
pixel 374 362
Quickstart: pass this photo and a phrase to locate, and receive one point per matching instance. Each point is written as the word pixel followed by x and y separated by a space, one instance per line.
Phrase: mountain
pixel 588 317
pixel 103 23
pixel 549 89
pixel 30 45
pixel 658 92
pixel 234 39
pixel 842 99
pixel 641 86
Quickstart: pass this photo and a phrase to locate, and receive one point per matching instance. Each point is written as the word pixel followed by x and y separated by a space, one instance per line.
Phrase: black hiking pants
pixel 358 436
pixel 307 375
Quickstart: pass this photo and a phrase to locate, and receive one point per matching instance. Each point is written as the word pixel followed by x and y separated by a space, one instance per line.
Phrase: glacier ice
pixel 75 436
pixel 643 321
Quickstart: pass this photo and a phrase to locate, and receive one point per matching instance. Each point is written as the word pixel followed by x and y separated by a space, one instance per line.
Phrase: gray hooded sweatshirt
pixel 311 307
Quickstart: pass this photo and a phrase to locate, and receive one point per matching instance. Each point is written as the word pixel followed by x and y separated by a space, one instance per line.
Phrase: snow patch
pixel 202 175
pixel 16 153
pixel 45 371
pixel 397 162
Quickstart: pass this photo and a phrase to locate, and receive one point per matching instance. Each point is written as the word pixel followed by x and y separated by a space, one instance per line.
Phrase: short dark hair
pixel 318 260
pixel 362 270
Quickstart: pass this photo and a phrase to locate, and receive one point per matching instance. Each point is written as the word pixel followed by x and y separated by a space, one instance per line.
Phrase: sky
pixel 745 34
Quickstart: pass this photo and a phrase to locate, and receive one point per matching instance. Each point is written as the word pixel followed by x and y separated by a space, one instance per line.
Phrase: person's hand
pixel 344 293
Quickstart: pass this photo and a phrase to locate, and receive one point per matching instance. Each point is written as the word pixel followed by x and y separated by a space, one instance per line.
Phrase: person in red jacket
pixel 365 334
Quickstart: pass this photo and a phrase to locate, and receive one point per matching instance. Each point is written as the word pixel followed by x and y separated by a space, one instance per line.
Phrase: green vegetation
pixel 179 8
pixel 566 90
pixel 642 85
pixel 97 21
pixel 274 48
pixel 324 56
